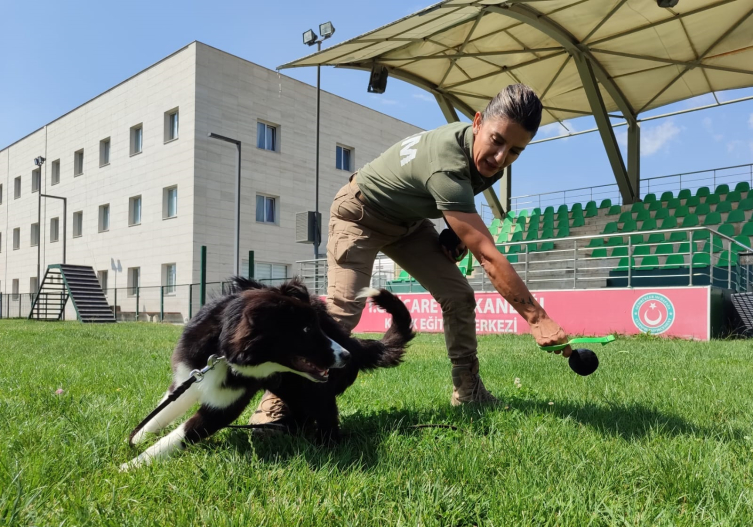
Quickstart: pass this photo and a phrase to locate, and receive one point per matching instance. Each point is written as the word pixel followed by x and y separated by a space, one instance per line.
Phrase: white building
pixel 146 187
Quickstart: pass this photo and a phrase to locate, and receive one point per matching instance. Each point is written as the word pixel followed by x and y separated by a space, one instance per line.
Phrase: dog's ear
pixel 296 289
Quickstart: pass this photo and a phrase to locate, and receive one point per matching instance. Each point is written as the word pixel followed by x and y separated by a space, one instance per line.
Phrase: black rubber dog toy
pixel 450 241
pixel 583 362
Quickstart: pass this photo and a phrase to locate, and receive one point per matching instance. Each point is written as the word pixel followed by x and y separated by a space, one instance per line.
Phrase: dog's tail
pixel 389 350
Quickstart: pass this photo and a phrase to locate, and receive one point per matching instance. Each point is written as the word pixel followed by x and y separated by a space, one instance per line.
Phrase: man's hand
pixel 548 333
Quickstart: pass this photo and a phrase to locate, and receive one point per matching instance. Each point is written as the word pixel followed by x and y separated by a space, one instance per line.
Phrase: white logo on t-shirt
pixel 408 153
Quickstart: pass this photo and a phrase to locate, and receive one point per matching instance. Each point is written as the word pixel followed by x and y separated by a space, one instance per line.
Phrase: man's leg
pixel 420 254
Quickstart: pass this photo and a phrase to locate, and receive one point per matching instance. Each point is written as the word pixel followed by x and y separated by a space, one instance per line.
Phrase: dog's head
pixel 275 330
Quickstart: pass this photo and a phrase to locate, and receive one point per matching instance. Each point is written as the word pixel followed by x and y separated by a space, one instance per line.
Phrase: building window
pixel 134 210
pixel 344 157
pixel 266 209
pixel 134 277
pixel 1 194
pixel 78 224
pixel 169 202
pixel 104 152
pixel 171 125
pixel 55 179
pixel 15 289
pixel 33 287
pixel 102 279
pixel 169 278
pixel 54 229
pixel 266 137
pixel 36 179
pixel 16 238
pixel 137 139
pixel 34 234
pixel 78 163
pixel 17 188
pixel 104 218
pixel 270 273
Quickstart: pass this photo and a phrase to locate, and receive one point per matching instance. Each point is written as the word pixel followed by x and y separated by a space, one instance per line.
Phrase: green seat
pixel 637 206
pixel 463 269
pixel 563 223
pixel 745 204
pixel 678 236
pixel 727 229
pixel 547 233
pixel 614 210
pixel 748 229
pixel 517 237
pixel 615 240
pixel 642 250
pixel 592 213
pixel 532 234
pixel 579 221
pixel 713 199
pixel 512 258
pixel 537 211
pixel 666 196
pixel 533 247
pixel 661 214
pixel 619 251
pixel 605 204
pixel 610 228
pixel 702 192
pixel 691 220
pixel 693 201
pixel 649 263
pixel 518 227
pixel 622 265
pixel 625 216
pixel 577 213
pixel 724 206
pixel 699 236
pixel 577 207
pixel 591 205
pixel 629 226
pixel 669 223
pixel 684 194
pixel 656 206
pixel 648 225
pixel 599 252
pixel 702 209
pixel 743 239
pixel 674 261
pixel 701 260
pixel 681 211
pixel 595 242
pixel 722 189
pixel 649 198
pixel 503 236
pixel 403 276
pixel 523 213
pixel 724 259
pixel 717 246
pixel 548 223
pixel 684 248
pixel 665 248
pixel 736 216
pixel 549 210
pixel 562 209
pixel 733 196
pixel 494 226
pixel 656 237
pixel 743 186
pixel 712 218
pixel 642 215
pixel 563 232
pixel 636 239
pixel 514 249
pixel 546 246
pixel 674 203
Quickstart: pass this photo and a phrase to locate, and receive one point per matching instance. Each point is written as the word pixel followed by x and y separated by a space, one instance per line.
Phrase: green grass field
pixel 660 435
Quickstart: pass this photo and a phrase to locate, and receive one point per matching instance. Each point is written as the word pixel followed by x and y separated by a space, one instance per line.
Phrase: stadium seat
pixel 701 260
pixel 656 206
pixel 514 249
pixel 727 229
pixel 636 239
pixel 722 189
pixel 642 215
pixel 665 248
pixel 547 233
pixel 563 232
pixel 577 207
pixel 712 218
pixel 549 210
pixel 579 221
pixel 742 239
pixel 518 227
pixel 669 223
pixel 684 248
pixel 494 226
pixel 628 226
pixel 625 216
pixel 614 210
pixel 733 196
pixel 537 211
pixel 724 206
pixel 591 205
pixel 610 228
pixel 614 241
pixel 743 186
pixel 702 192
pixel 546 246
pixel 517 237
pixel 532 234
pixel 661 214
pixel 649 263
pixel 533 247
pixel 512 258
pixel 681 211
pixel 666 196
pixel 748 229
pixel 592 213
pixel 648 225
pixel 655 237
pixel 649 198
pixel 674 261
pixel 595 242
pixel 684 194
pixel 563 223
pixel 522 214
pixel 562 209
pixel 693 201
pixel 736 216
pixel 622 265
pixel 548 223
pixel 699 236
pixel 605 204
pixel 724 259
pixel 691 220
pixel 702 209
pixel 641 250
pixel 637 206
pixel 718 246
pixel 599 252
pixel 678 236
pixel 403 276
pixel 745 204
pixel 619 251
pixel 713 199
pixel 502 237
pixel 674 203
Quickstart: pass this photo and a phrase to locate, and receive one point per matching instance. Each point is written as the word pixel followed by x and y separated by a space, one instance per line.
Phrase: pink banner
pixel 675 312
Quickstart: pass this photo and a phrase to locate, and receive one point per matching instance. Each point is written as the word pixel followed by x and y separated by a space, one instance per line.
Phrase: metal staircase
pixel 78 282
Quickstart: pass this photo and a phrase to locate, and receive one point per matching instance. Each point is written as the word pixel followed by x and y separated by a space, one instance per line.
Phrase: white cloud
pixel 382 100
pixel 555 129
pixel 718 137
pixel 707 123
pixel 750 120
pixel 652 139
pixel 733 145
pixel 424 97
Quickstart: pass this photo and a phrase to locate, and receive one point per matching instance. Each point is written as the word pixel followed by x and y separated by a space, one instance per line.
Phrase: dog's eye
pixel 306 329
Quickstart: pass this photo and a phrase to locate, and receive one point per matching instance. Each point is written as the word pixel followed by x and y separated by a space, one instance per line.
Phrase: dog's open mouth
pixel 305 366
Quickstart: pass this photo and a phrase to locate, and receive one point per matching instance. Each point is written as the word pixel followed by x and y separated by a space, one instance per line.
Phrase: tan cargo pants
pixel 358 232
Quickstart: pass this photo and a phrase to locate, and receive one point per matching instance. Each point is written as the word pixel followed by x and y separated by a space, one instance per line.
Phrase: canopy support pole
pixel 634 158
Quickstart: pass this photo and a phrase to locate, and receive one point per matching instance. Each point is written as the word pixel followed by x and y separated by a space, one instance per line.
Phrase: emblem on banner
pixel 653 313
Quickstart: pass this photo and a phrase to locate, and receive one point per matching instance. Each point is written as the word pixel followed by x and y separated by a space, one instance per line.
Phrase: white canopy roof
pixel 642 56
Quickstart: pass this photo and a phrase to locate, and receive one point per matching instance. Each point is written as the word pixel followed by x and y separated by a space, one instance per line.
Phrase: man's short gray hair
pixel 518 103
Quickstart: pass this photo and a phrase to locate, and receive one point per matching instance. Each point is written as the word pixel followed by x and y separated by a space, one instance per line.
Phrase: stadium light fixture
pixel 309 37
pixel 326 30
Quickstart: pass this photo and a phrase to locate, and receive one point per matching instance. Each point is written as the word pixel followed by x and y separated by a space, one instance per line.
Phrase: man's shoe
pixel 468 387
pixel 272 411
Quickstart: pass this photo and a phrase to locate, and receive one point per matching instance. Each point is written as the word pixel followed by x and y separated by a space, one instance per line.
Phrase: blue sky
pixel 57 55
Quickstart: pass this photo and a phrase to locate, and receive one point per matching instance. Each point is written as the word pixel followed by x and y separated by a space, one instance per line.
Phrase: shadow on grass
pixel 364 433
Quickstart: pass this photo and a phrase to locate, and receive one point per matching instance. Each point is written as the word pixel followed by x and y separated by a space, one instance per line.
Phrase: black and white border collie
pixel 260 331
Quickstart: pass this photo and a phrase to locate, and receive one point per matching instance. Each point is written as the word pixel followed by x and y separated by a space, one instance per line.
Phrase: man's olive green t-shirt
pixel 424 175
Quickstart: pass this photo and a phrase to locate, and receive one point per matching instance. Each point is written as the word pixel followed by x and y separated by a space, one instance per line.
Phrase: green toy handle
pixel 581 340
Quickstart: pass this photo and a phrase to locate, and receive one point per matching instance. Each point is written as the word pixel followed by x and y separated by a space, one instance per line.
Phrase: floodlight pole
pixel 318 228
pixel 236 249
pixel 39 161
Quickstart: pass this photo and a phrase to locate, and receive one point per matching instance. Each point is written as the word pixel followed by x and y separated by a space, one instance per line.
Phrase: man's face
pixel 497 142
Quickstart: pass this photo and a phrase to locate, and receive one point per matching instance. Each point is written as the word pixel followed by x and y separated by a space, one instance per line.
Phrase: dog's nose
pixel 345 356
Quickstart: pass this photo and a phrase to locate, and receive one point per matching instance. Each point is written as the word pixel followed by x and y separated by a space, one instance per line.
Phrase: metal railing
pixel 570 266
pixel 656 185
